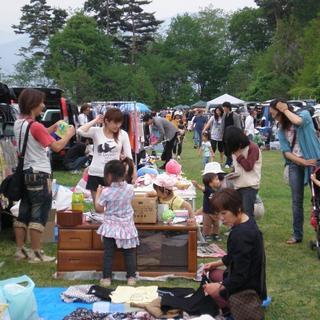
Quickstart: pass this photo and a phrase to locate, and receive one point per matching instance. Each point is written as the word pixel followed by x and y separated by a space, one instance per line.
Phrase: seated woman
pixel 244 261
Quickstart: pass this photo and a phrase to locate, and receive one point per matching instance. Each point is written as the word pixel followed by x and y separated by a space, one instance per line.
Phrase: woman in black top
pixel 245 254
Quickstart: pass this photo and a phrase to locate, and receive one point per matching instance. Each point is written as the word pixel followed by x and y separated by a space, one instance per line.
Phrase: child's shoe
pixel 105 282
pixel 131 281
pixel 208 238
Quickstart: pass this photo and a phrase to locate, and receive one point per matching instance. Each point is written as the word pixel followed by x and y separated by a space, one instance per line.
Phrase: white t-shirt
pixel 249 125
pixel 37 155
pixel 105 149
pixel 83 119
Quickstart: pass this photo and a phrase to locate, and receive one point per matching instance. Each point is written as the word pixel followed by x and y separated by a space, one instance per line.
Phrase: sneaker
pixel 216 237
pixel 105 282
pixel 178 157
pixel 75 172
pixel 21 253
pixel 227 166
pixel 208 238
pixel 39 256
pixel 131 281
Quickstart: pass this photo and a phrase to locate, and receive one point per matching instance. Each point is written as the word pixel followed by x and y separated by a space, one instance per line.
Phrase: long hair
pixel 235 139
pixel 115 115
pixel 283 120
pixel 216 116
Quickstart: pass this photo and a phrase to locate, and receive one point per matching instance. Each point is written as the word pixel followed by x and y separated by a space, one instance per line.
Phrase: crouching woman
pixel 244 261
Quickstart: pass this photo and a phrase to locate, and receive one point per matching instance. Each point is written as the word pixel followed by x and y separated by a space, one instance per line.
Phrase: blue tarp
pixel 51 307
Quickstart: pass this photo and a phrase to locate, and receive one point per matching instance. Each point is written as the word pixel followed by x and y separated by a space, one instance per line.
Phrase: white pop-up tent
pixel 225 97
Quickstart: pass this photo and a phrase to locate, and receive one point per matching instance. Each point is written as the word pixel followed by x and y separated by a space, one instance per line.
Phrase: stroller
pixel 315 213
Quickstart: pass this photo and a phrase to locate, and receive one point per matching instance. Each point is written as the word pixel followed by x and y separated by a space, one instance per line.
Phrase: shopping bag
pixel 19 295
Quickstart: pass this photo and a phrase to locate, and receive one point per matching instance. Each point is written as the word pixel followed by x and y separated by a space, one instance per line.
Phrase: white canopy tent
pixel 225 97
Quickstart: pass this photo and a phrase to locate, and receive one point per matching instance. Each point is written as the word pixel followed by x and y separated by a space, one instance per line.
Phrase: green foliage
pixel 39 21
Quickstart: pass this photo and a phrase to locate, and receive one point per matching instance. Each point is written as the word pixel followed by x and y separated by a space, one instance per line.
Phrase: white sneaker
pixel 227 166
pixel 131 281
pixel 178 157
pixel 39 256
pixel 21 253
pixel 75 172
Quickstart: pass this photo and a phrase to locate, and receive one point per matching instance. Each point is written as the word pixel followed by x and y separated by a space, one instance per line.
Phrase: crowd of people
pixel 111 175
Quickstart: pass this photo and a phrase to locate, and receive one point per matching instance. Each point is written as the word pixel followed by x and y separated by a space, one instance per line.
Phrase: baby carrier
pixel 315 213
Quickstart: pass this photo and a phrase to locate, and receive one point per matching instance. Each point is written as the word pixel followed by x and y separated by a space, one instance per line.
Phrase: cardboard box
pixel 145 209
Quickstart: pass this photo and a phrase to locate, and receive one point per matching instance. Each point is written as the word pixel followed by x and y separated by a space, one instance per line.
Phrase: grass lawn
pixel 292 271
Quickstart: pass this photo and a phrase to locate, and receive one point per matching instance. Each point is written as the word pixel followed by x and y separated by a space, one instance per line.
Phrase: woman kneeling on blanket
pixel 244 261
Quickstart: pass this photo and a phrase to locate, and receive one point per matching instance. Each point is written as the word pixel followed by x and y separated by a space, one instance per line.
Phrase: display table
pixel 164 249
pixel 188 194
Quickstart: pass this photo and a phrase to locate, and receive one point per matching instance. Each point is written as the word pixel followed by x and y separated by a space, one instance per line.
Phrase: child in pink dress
pixel 118 229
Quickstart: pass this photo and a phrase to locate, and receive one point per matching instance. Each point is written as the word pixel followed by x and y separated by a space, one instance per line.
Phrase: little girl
pixel 118 229
pixel 163 186
pixel 206 149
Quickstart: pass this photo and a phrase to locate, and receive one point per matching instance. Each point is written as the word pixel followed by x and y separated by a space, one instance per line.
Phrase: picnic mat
pixel 51 307
pixel 211 250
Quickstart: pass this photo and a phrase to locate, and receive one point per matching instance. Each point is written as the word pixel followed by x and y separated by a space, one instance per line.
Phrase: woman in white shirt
pixel 84 113
pixel 109 141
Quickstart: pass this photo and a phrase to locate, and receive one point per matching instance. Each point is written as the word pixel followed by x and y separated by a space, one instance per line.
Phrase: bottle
pixel 77 201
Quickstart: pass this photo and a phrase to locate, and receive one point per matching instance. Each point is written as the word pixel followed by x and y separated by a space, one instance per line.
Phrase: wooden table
pixel 164 249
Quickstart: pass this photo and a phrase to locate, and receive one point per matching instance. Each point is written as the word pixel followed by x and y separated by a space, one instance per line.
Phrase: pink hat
pixel 173 167
pixel 166 181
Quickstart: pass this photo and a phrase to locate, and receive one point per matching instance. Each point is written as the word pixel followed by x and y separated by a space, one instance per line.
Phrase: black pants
pixel 178 145
pixel 130 259
pixel 167 152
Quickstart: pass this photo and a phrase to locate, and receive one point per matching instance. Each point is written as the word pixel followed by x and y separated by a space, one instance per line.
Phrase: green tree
pixel 107 13
pixel 77 54
pixel 39 21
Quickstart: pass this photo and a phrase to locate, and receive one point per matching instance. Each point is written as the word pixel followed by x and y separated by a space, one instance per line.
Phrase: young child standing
pixel 163 190
pixel 211 183
pixel 206 149
pixel 118 229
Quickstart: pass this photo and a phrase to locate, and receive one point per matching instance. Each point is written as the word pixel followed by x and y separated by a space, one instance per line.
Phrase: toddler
pixel 211 179
pixel 118 229
pixel 163 190
pixel 206 149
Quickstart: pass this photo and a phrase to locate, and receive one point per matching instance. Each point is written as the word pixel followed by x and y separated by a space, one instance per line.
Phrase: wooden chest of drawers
pixel 163 249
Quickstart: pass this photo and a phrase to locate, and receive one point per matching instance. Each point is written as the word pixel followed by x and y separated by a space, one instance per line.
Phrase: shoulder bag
pixel 12 187
pixel 246 304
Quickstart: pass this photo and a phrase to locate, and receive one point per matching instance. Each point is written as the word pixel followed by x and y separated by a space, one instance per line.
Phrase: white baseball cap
pixel 212 167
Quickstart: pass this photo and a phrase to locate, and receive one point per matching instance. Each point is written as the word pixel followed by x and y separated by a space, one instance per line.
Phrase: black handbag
pixel 12 187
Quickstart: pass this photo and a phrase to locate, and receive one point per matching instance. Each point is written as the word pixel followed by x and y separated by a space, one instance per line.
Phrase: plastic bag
pixel 63 198
pixel 20 298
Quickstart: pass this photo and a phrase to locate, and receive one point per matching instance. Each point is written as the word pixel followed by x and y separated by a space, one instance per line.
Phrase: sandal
pixel 293 241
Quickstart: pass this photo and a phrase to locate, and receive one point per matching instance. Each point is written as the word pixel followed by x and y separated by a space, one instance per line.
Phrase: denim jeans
pixel 77 164
pixel 296 181
pixel 205 160
pixel 36 201
pixel 197 138
pixel 130 259
pixel 248 196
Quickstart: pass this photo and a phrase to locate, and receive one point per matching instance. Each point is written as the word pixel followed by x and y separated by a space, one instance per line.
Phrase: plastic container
pixel 77 201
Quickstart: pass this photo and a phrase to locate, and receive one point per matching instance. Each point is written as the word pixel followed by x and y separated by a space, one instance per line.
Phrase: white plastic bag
pixel 63 198
pixel 20 298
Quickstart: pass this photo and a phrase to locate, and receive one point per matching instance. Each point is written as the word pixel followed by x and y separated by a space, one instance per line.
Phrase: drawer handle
pixel 75 239
pixel 74 260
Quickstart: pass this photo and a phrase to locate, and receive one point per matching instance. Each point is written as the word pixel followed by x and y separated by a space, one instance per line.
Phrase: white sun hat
pixel 212 167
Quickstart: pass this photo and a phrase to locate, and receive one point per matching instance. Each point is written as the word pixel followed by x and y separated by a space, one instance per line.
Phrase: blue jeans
pixel 197 138
pixel 248 196
pixel 296 182
pixel 77 164
pixel 130 259
pixel 205 160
